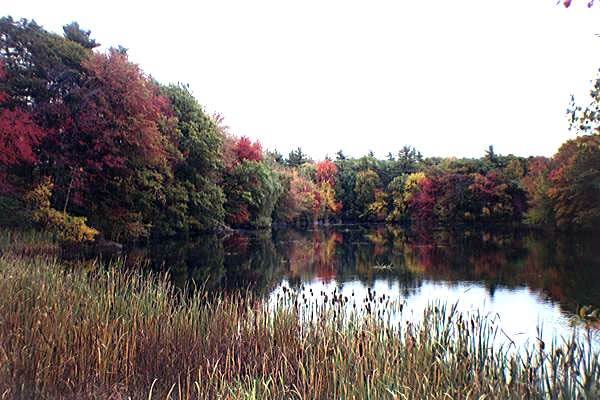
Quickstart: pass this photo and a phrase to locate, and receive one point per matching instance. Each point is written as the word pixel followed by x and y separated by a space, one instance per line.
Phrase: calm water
pixel 523 280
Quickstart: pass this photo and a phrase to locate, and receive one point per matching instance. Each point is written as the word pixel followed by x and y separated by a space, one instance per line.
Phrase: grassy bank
pixel 80 332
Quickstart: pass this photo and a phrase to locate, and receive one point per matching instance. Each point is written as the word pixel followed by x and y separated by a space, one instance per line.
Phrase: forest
pixel 92 146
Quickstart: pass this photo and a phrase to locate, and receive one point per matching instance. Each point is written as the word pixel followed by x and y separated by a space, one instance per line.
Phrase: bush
pixel 63 225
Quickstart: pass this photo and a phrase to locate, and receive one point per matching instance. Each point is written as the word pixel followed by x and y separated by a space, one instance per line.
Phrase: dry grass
pixel 106 333
pixel 27 243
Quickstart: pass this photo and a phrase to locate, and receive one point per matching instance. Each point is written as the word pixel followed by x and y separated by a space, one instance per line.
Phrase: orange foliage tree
pixel 575 184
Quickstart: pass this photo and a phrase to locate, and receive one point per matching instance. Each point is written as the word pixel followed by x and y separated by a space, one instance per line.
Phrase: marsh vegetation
pixel 95 330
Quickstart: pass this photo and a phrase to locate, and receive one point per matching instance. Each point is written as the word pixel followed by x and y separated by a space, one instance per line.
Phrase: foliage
pixel 328 207
pixel 41 67
pixel 408 160
pixel 19 133
pixel 298 199
pixel 63 225
pixel 74 33
pixel 246 150
pixel 19 136
pixel 401 189
pixel 265 194
pixel 251 184
pixel 446 196
pixel 139 159
pixel 297 158
pixel 367 183
pixel 574 187
pixel 121 144
pixel 344 187
pixel 325 171
pixel 575 184
pixel 252 189
pixel 537 183
pixel 493 200
pixel 378 209
pixel 101 119
pixel 194 198
pixel 586 120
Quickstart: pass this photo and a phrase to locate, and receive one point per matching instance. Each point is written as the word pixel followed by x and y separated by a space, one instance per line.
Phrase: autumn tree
pixel 40 70
pixel 246 150
pixel 400 190
pixel 328 206
pixel 442 197
pixel 252 190
pixel 536 182
pixel 325 171
pixel 366 189
pixel 490 198
pixel 104 146
pixel 251 184
pixel 119 145
pixel 19 134
pixel 287 207
pixel 575 184
pixel 299 199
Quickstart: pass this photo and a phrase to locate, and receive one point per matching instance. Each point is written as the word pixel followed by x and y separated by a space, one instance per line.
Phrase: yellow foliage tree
pixel 401 188
pixel 64 226
pixel 328 206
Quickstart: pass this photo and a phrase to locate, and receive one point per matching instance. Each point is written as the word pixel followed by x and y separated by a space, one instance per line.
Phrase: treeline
pixel 89 142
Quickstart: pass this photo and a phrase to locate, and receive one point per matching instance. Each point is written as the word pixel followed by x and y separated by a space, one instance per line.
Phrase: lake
pixel 523 280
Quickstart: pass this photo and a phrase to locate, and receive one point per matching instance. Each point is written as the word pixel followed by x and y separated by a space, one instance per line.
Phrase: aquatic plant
pixel 111 333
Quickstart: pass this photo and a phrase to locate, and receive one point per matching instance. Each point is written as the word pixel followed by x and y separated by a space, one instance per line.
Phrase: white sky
pixel 447 77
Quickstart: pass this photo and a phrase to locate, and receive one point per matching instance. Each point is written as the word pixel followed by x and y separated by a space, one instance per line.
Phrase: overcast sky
pixel 447 77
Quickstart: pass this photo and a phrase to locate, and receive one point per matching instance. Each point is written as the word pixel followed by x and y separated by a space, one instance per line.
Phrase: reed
pixel 114 333
pixel 27 242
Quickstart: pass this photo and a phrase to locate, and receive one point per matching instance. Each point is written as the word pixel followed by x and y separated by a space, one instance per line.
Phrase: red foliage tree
pixel 235 150
pixel 241 216
pixel 246 150
pixel 119 115
pixel 243 178
pixel 107 127
pixel 19 135
pixel 537 168
pixel 422 202
pixel 325 171
pixel 112 146
pixel 490 193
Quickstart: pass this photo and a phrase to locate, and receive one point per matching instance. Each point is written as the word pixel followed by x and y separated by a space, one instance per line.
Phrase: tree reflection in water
pixel 564 270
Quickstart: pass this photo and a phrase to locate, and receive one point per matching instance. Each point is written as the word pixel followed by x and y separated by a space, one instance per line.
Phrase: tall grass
pixel 27 242
pixel 108 333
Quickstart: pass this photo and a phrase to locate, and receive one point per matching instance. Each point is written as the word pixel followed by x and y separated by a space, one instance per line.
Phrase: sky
pixel 449 78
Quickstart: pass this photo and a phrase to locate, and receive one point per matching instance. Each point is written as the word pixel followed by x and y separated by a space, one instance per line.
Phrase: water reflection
pixel 525 278
pixel 521 314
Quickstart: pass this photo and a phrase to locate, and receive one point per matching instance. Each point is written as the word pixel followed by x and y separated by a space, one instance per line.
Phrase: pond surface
pixel 526 281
